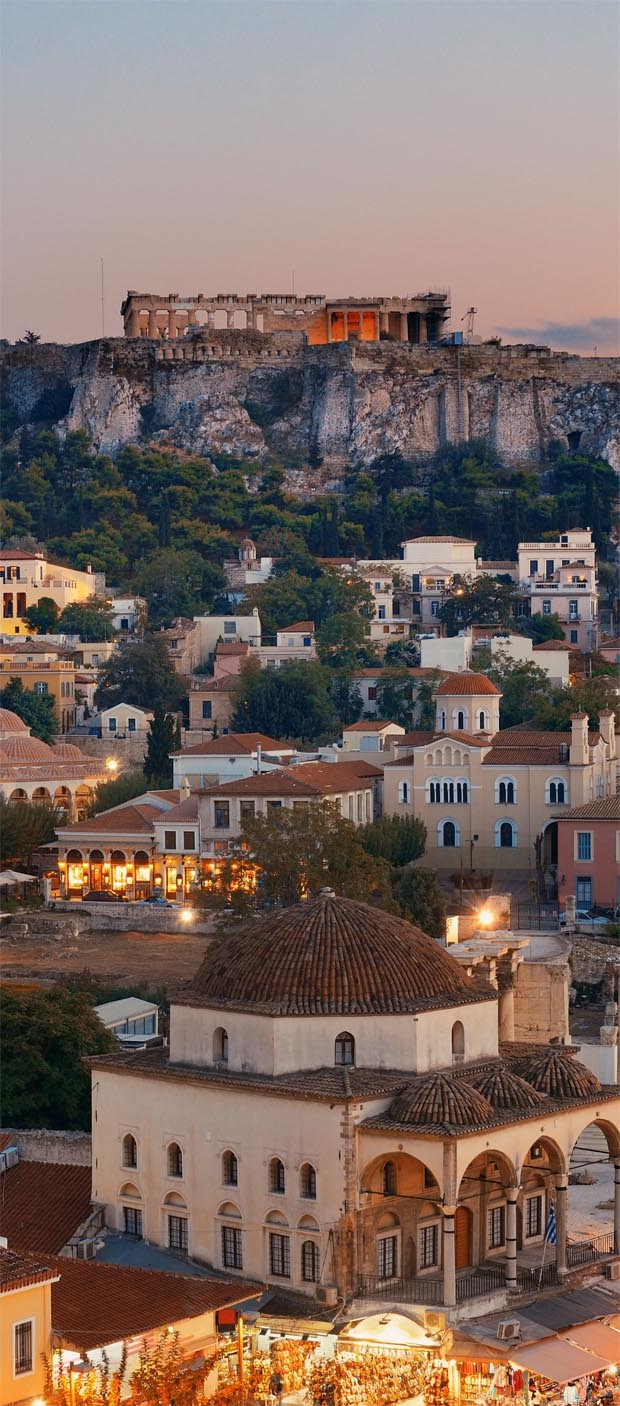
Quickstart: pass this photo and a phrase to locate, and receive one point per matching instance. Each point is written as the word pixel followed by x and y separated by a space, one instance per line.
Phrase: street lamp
pixel 111 764
pixel 473 841
pixel 76 1369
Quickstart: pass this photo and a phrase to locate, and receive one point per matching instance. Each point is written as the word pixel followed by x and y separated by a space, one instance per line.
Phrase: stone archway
pixel 399 1204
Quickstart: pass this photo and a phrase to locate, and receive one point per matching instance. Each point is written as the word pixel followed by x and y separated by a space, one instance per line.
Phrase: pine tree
pixel 160 744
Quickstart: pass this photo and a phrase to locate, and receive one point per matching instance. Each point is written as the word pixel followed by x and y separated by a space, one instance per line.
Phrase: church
pixel 335 1115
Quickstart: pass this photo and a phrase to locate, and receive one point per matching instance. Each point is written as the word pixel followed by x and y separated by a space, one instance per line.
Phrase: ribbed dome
pixel 503 1089
pixel 68 752
pixel 11 722
pixel 466 684
pixel 327 956
pixel 25 749
pixel 556 1074
pixel 439 1101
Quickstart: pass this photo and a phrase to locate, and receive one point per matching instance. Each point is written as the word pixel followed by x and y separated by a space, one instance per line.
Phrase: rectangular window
pixel 549 570
pixel 23 1347
pixel 40 688
pixel 546 607
pixel 221 812
pixel 573 609
pixel 132 1221
pixel 533 567
pixel 574 637
pixel 230 627
pixel 415 581
pixel 131 724
pixel 428 1254
pixel 247 810
pixel 274 805
pixel 584 844
pixel 387 1256
pixel 280 1256
pixel 206 711
pixel 111 724
pixel 381 612
pixel 232 1247
pixel 178 1238
pixel 170 839
pixel 533 1216
pixel 496 1227
pixel 189 839
pixel 434 607
pixel 583 891
pixel 372 695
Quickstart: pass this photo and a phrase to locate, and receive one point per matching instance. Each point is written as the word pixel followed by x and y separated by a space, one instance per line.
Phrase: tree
pixel 159 746
pixel 164 1377
pixel 418 893
pixel 341 642
pixel 299 851
pixel 526 691
pixel 399 839
pixel 118 791
pixel 140 672
pixel 540 628
pixel 23 827
pixel 37 710
pixel 177 583
pixel 294 702
pixel 30 338
pixel 485 601
pixel 395 696
pixel 91 619
pixel 44 1039
pixel 42 617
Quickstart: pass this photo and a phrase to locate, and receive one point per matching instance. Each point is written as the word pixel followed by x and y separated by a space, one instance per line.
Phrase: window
pixel 546 607
pixel 505 835
pixel 230 1169
pixel 496 1227
pixel 549 569
pixel 460 720
pixel 574 636
pixel 449 835
pixel 189 839
pixel 458 1042
pixel 274 805
pixel 280 1256
pixel 221 814
pixel 403 792
pixel 533 567
pixel 387 1256
pixel 462 792
pixel 207 710
pixel 482 721
pixel 389 1179
pixel 307 1182
pixel 583 891
pixel 132 1221
pixel 310 1262
pixel 584 844
pixel 448 792
pixel 40 688
pixel 178 1238
pixel 556 792
pixel 381 613
pixel 435 792
pixel 247 810
pixel 277 1177
pixel 372 695
pixel 428 1246
pixel 130 1151
pixel 344 1049
pixel 175 1160
pixel 442 720
pixel 111 724
pixel 131 724
pixel 533 1216
pixel 220 1045
pixel 229 627
pixel 170 839
pixel 23 1336
pixel 505 793
pixel 573 609
pixel 232 1247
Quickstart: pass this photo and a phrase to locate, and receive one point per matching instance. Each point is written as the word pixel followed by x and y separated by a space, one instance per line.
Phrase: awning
pixel 11 876
pixel 558 1360
pixel 602 1338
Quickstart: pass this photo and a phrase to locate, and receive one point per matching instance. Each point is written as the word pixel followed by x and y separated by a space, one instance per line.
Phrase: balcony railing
pixel 401 1290
pixel 584 1251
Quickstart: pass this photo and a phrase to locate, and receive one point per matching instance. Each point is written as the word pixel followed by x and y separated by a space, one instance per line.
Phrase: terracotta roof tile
pixel 185 810
pixel 234 744
pixel 43 1203
pixel 94 1304
pixel 608 808
pixel 308 779
pixel 121 820
pixel 11 722
pixel 443 1102
pixel 370 725
pixel 301 627
pixel 232 647
pixel 18 1270
pixel 464 541
pixel 466 684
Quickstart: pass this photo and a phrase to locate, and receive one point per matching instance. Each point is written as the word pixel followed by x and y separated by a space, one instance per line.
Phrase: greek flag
pixel 551 1234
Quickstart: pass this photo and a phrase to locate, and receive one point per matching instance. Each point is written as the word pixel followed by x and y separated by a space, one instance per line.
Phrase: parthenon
pixel 410 319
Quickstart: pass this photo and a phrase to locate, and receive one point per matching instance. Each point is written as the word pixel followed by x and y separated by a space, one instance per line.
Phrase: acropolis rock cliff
pixel 248 394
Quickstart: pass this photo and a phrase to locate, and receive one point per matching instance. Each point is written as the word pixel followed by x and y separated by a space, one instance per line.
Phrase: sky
pixel 357 147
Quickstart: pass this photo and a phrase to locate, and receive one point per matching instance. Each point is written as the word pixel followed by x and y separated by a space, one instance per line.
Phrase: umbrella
pixel 11 876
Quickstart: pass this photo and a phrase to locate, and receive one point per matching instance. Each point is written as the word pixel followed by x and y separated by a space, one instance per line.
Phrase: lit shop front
pixel 127 874
pixel 578 1365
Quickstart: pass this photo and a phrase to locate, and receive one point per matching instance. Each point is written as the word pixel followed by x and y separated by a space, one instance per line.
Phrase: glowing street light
pixel 485 918
pixel 111 764
pixel 187 915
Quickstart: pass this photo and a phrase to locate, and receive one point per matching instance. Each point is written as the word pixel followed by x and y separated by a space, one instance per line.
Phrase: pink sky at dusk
pixel 372 146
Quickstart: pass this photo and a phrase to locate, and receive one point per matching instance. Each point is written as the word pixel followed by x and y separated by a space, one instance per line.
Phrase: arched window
pixel 344 1049
pixel 434 790
pixel 175 1160
pixel 310 1262
pixel 483 721
pixel 130 1151
pixel 556 792
pixel 505 834
pixel 178 1222
pixel 389 1179
pixel 277 1177
pixel 131 1215
pixel 220 1046
pixel 230 1169
pixel 461 720
pixel 448 834
pixel 442 719
pixel 458 1042
pixel 403 792
pixel 448 792
pixel 307 1181
pixel 462 792
pixel 505 791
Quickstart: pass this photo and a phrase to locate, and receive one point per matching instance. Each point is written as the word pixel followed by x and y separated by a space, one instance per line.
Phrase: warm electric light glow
pixel 111 764
pixel 186 915
pixel 485 917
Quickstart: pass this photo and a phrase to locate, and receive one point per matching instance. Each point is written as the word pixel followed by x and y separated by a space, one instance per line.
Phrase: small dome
pixel 503 1089
pixel 556 1074
pixel 11 723
pixel 466 683
pixel 438 1100
pixel 68 752
pixel 26 749
pixel 330 956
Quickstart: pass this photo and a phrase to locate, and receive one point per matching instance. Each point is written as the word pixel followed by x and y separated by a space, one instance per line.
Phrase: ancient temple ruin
pixel 415 320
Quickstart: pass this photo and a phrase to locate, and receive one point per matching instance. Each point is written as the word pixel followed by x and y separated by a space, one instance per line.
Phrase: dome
pixel 11 723
pixel 505 1090
pixel 466 683
pixel 438 1100
pixel 556 1074
pixel 26 749
pixel 331 956
pixel 68 752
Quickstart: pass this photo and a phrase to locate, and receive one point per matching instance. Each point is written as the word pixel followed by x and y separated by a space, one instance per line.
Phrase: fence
pixel 584 1251
pixel 401 1290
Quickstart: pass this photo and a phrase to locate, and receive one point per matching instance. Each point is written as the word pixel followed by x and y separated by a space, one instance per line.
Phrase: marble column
pixel 191 317
pixel 404 327
pixel 132 324
pixel 328 320
pixel 512 1193
pixel 211 321
pixel 230 319
pixel 153 328
pixel 617 1205
pixel 346 325
pixel 507 1014
pixel 378 322
pixel 384 322
pixel 449 1257
pixel 172 323
pixel 561 1218
pixel 423 331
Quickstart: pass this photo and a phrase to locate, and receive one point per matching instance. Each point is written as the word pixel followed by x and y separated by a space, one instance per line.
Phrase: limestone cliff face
pixel 321 407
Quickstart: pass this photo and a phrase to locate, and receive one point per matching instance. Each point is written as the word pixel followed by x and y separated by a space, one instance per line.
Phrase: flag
pixel 551 1234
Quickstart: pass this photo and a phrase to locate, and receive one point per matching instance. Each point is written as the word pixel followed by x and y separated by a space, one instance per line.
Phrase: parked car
pixel 103 896
pixel 159 900
pixel 583 917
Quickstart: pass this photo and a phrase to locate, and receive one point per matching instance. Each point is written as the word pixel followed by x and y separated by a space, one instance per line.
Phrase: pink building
pixel 589 853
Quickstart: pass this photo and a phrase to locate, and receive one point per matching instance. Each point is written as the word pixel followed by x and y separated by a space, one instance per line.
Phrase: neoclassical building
pixel 31 771
pixel 335 1113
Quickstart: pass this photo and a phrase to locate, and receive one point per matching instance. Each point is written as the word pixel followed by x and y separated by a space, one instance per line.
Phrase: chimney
pixel 607 729
pixel 579 747
pixel 89 568
pixel 186 789
pixel 259 757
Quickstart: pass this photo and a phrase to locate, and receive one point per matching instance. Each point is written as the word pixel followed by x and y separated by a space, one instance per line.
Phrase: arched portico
pixel 487 1224
pixel 400 1222
pixel 598 1145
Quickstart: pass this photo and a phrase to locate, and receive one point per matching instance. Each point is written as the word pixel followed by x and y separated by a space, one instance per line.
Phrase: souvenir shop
pixel 576 1368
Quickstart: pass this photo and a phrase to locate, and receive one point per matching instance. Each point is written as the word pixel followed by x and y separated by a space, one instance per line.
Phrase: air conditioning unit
pixel 327 1294
pixel 8 1158
pixel 612 1271
pixel 434 1322
pixel 85 1250
pixel 509 1328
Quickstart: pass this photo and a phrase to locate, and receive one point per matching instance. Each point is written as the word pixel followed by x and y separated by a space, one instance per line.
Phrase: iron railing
pixel 401 1290
pixel 479 1283
pixel 529 1278
pixel 584 1251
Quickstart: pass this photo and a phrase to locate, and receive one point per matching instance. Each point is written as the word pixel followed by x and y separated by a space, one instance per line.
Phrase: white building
pixel 232 629
pixel 133 1021
pixel 559 578
pixel 228 758
pixel 123 720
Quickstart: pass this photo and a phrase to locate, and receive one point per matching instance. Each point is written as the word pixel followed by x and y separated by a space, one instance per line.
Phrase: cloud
pixel 600 332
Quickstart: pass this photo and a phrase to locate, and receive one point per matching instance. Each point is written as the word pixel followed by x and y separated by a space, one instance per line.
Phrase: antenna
pixel 293 281
pixel 468 319
pixel 102 303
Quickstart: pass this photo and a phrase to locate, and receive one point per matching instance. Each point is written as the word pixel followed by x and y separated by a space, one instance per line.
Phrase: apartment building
pixel 559 578
pixel 46 675
pixel 26 577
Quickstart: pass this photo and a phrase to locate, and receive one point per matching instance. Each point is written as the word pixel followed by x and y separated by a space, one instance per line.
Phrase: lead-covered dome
pixel 331 956
pixel 557 1074
pixel 505 1090
pixel 439 1101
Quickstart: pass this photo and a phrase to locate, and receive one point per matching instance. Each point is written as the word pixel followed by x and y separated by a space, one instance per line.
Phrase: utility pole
pixel 468 319
pixel 102 303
